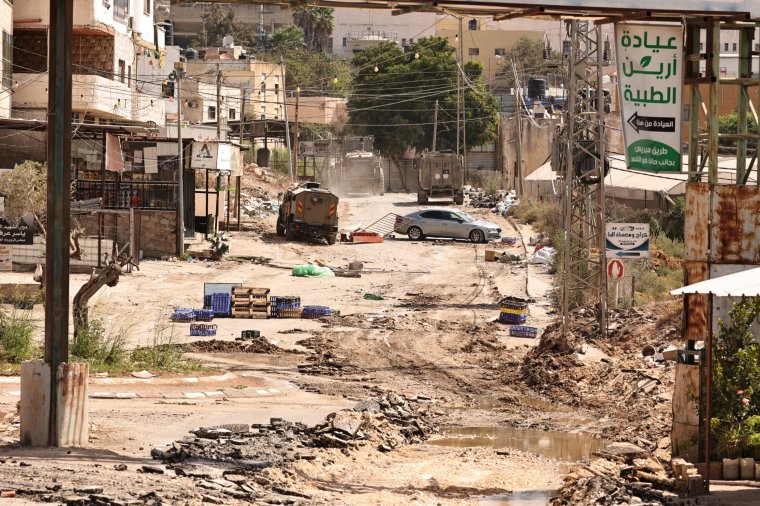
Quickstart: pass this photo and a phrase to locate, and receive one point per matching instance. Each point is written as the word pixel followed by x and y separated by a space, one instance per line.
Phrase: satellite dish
pixel 228 40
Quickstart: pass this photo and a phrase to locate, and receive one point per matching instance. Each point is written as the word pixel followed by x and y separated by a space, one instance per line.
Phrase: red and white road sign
pixel 615 270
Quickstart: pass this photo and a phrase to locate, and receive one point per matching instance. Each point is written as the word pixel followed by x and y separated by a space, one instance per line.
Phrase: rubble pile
pixel 232 460
pixel 622 377
pixel 623 474
pixel 498 202
pixel 253 345
pixel 328 364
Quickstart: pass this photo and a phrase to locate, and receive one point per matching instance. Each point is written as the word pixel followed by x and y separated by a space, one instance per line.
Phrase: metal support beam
pixel 519 14
pixel 585 266
pixel 58 199
pixel 693 33
pixel 713 34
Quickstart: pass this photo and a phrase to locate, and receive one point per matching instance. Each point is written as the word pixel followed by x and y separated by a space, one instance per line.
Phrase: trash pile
pixel 623 474
pixel 232 460
pixel 328 364
pixel 499 202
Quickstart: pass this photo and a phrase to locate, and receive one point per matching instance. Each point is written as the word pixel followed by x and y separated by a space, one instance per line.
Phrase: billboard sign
pixel 650 80
pixel 627 240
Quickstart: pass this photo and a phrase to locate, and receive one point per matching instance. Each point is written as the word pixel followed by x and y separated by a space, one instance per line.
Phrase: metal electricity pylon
pixel 584 165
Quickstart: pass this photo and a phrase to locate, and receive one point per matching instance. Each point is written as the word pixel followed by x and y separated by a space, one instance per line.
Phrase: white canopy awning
pixel 744 283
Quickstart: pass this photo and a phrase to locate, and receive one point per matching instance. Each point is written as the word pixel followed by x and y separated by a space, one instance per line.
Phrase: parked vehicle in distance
pixel 451 223
pixel 361 171
pixel 440 174
pixel 308 210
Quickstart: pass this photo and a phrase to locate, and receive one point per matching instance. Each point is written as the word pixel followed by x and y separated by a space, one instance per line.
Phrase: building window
pixel 734 46
pixel 122 70
pixel 211 112
pixel 129 73
pixel 7 59
pixel 725 46
pixel 403 41
pixel 345 42
pixel 757 46
pixel 232 113
pixel 474 51
pixel 499 51
pixel 472 24
pixel 263 112
pixel 120 10
pixel 146 6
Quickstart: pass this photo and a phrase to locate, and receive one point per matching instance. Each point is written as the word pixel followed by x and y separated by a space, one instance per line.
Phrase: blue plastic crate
pixel 201 329
pixel 283 305
pixel 512 318
pixel 183 315
pixel 203 315
pixel 313 312
pixel 523 331
pixel 219 303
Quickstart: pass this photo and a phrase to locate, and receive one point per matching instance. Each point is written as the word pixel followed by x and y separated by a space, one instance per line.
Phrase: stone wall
pixel 91 54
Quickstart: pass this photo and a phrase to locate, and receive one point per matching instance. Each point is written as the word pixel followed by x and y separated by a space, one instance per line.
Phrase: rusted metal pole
pixel 708 392
pixel 58 199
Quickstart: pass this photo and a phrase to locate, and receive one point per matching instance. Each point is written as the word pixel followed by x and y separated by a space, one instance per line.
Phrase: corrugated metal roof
pixel 739 284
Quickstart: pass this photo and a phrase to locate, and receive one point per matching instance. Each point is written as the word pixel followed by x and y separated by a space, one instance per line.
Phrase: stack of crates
pixel 285 307
pixel 314 312
pixel 219 303
pixel 203 315
pixel 201 329
pixel 183 315
pixel 248 302
pixel 513 310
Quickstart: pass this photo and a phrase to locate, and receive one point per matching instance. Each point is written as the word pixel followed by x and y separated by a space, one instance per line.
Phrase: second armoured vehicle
pixel 308 211
pixel 440 174
pixel 360 171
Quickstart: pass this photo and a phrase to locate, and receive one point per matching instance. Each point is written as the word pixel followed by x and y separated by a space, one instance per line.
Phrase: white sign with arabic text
pixel 650 77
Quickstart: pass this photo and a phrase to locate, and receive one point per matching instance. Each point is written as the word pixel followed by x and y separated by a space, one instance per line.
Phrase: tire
pixel 422 198
pixel 415 233
pixel 280 228
pixel 477 235
pixel 331 238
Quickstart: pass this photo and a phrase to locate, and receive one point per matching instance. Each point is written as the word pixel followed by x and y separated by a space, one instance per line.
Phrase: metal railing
pixel 127 194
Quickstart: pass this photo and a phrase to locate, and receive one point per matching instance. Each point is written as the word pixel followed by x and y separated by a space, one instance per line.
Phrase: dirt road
pixel 431 339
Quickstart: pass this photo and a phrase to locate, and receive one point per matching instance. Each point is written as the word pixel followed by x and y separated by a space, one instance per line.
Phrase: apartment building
pixel 6 64
pixel 256 81
pixel 108 38
pixel 357 29
pixel 188 24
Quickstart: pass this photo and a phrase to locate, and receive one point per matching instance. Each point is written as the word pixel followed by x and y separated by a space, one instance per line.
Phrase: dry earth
pixel 502 422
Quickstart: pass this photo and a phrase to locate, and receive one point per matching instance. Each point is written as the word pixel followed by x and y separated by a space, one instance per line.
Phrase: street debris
pixel 312 271
pixel 254 345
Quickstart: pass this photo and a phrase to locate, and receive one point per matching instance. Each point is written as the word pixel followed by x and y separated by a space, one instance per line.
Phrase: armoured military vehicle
pixel 308 210
pixel 440 174
pixel 360 171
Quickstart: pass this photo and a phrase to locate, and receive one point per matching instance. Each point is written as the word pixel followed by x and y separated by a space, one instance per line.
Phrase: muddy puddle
pixel 563 446
pixel 519 498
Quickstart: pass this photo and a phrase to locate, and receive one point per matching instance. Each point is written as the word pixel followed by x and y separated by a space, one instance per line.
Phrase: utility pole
pixel 295 134
pixel 179 69
pixel 519 102
pixel 218 103
pixel 435 126
pixel 285 114
pixel 460 89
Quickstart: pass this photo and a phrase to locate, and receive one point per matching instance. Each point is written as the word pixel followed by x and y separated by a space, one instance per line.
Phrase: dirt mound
pixel 255 345
pixel 611 376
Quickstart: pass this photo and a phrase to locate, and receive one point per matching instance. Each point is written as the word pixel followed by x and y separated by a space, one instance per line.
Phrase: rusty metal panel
pixel 697 306
pixel 735 223
pixel 696 230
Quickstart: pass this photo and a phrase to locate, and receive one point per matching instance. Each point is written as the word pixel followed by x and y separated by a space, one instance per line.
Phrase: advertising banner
pixel 627 240
pixel 650 77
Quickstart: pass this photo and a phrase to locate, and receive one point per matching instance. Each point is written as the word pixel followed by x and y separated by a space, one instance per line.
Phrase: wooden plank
pixel 244 290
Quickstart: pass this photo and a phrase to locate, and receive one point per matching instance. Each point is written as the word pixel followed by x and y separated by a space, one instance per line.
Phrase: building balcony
pixel 92 95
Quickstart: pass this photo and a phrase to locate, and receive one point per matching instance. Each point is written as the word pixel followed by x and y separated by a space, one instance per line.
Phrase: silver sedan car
pixel 451 223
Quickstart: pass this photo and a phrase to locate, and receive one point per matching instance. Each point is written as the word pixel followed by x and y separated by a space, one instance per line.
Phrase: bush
pixel 546 217
pixel 162 352
pixel 16 336
pixel 729 124
pixel 94 344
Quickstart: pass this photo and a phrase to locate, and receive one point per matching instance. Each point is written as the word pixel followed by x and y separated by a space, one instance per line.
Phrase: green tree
pixel 25 191
pixel 396 103
pixel 528 54
pixel 317 24
pixel 286 39
pixel 218 22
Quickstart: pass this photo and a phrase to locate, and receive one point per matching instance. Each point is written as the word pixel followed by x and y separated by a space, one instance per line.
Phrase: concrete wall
pixel 536 147
pixel 36 14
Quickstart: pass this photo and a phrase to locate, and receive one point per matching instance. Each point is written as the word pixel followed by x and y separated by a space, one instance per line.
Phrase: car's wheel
pixel 280 228
pixel 331 238
pixel 477 236
pixel 414 233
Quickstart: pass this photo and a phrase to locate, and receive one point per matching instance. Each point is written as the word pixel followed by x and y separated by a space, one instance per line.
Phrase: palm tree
pixel 317 24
